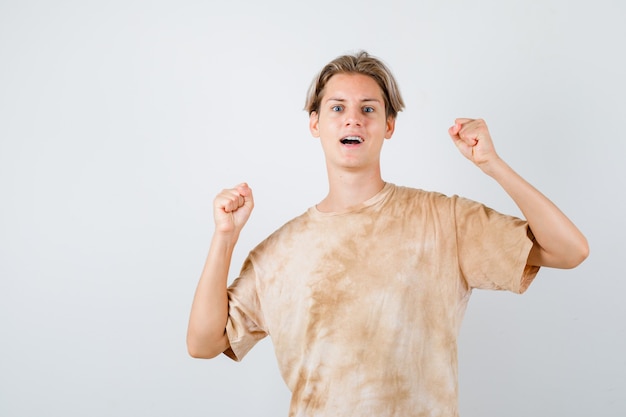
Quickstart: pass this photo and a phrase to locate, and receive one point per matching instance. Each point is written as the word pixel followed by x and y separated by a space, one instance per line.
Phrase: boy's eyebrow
pixel 343 99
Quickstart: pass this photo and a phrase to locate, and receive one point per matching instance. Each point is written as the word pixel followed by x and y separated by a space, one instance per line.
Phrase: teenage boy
pixel 364 293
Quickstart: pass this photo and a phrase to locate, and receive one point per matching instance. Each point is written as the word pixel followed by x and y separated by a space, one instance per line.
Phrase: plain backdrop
pixel 121 120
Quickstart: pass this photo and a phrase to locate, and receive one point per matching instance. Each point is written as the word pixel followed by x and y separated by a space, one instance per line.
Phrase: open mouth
pixel 351 140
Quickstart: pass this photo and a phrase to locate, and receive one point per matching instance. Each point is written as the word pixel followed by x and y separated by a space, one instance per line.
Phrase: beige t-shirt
pixel 364 307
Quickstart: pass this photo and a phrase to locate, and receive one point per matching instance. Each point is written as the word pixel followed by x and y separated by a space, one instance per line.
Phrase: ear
pixel 314 121
pixel 391 126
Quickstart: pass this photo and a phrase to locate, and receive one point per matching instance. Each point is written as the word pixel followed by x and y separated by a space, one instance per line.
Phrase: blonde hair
pixel 359 63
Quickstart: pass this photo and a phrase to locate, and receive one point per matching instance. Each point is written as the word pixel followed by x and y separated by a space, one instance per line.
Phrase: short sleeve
pixel 245 325
pixel 493 248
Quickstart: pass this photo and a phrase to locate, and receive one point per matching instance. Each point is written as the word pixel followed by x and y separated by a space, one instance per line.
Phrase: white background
pixel 120 120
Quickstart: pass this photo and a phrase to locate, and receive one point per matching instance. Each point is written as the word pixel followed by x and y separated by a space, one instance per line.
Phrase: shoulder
pixel 289 231
pixel 435 197
pixel 411 195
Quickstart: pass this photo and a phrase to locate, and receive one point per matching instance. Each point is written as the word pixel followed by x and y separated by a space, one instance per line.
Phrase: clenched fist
pixel 472 138
pixel 232 208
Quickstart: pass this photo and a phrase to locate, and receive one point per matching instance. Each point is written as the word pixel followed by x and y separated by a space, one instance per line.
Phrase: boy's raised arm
pixel 206 332
pixel 558 242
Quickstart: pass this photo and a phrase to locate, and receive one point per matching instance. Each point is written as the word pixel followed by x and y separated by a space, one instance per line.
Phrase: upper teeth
pixel 355 138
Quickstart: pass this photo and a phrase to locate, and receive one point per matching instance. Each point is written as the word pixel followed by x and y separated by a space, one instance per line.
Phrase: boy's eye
pixel 368 109
pixel 336 108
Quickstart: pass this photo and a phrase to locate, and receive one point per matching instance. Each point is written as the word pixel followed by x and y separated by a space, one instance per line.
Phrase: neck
pixel 349 189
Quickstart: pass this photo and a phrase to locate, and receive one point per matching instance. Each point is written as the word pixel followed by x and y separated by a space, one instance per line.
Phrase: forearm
pixel 558 242
pixel 206 333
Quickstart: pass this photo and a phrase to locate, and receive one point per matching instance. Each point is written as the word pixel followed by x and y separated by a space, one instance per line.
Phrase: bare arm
pixel 206 332
pixel 558 242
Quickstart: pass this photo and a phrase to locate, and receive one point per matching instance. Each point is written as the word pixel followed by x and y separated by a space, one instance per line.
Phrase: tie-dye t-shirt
pixel 364 307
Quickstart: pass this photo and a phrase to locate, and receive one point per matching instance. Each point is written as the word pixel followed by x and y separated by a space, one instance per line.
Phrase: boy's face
pixel 351 122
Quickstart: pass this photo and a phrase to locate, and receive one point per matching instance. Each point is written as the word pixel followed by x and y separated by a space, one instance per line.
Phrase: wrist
pixel 495 168
pixel 225 239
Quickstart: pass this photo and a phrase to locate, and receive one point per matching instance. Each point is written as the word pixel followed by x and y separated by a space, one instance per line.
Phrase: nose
pixel 354 117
